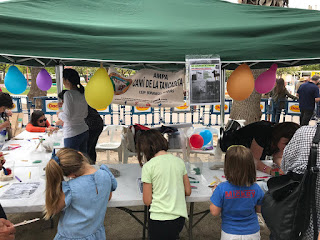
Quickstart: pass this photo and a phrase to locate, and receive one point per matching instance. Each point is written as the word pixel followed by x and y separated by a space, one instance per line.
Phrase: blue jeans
pixel 276 112
pixel 78 142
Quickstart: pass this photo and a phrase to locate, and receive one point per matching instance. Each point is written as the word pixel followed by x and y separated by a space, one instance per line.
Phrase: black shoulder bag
pixel 290 200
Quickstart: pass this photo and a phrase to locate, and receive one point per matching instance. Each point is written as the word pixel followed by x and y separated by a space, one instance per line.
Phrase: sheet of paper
pixel 20 190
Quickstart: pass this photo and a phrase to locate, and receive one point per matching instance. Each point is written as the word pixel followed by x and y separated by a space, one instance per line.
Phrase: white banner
pixel 148 88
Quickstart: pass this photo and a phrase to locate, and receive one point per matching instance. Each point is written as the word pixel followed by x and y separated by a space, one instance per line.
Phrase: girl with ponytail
pixel 80 219
pixel 74 112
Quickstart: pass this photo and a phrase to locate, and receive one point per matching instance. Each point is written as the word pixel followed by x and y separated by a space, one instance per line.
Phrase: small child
pixel 239 198
pixel 39 123
pixel 83 200
pixel 165 185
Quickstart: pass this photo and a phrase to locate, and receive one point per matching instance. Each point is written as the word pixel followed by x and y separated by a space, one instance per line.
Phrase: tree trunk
pixel 248 109
pixel 34 90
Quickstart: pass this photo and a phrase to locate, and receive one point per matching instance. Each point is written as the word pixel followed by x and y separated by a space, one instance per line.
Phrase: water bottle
pixel 3 134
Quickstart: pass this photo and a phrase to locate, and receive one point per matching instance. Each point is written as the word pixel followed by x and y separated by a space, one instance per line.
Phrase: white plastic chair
pixel 114 133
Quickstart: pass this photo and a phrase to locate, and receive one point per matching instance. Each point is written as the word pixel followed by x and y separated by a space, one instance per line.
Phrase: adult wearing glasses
pixel 39 123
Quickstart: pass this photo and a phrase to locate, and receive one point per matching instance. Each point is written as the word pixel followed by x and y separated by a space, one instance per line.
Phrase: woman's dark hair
pixel 239 166
pixel 149 143
pixel 73 77
pixel 60 95
pixel 35 116
pixel 6 100
pixel 282 130
pixel 279 88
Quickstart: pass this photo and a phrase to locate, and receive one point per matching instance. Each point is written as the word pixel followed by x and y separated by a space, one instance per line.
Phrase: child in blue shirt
pixel 239 198
pixel 82 200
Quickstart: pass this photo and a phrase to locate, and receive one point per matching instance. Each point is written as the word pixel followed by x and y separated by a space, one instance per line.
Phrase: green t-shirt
pixel 165 173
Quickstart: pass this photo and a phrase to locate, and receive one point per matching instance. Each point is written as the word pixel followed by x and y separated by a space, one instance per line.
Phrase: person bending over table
pixel 264 139
pixel 39 123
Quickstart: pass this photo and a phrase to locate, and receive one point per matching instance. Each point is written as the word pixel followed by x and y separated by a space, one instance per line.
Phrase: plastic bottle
pixel 3 134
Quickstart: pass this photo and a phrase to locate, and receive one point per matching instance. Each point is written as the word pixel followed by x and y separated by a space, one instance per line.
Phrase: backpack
pixel 287 205
pixel 227 135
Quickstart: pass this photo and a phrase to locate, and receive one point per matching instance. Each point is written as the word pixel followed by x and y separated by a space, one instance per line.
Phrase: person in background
pixel 295 159
pixel 308 95
pixel 263 139
pixel 239 198
pixel 279 96
pixel 95 124
pixel 82 200
pixel 5 104
pixel 39 123
pixel 74 111
pixel 165 185
pixel 302 80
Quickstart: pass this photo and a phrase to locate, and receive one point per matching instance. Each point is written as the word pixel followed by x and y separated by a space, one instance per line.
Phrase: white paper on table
pixel 20 190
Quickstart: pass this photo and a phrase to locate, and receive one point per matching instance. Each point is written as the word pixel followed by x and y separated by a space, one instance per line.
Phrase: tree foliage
pixel 276 3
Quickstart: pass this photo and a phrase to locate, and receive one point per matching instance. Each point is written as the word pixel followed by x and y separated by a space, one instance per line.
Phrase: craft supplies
pixel 4 185
pixel 197 170
pixel 194 187
pixel 26 222
pixel 192 178
pixel 18 178
pixel 37 161
pixel 29 175
pixel 194 182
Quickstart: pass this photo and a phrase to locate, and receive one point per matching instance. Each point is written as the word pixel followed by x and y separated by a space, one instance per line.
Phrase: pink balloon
pixel 266 81
pixel 44 80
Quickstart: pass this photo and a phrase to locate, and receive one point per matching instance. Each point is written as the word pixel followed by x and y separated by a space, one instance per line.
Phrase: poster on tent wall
pixel 204 79
pixel 148 88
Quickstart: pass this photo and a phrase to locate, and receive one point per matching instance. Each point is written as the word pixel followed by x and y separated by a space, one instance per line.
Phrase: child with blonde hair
pixel 239 198
pixel 82 200
pixel 165 185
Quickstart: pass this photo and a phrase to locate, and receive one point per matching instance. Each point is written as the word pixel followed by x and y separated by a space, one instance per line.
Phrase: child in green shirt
pixel 165 185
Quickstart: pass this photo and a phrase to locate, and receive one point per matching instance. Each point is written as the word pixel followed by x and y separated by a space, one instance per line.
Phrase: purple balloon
pixel 44 80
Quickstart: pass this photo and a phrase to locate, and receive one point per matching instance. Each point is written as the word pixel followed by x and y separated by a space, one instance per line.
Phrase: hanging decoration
pixel 241 83
pixel 14 81
pixel 44 80
pixel 266 80
pixel 99 90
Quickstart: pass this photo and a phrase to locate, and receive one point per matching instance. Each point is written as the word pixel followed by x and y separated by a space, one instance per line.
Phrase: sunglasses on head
pixel 42 120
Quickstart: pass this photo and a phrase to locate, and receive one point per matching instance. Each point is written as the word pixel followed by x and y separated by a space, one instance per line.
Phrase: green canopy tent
pixel 137 32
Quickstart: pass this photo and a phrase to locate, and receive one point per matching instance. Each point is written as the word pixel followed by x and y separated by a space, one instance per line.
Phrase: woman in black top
pixel 264 139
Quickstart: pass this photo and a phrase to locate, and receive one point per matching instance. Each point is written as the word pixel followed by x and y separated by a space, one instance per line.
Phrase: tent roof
pixel 81 32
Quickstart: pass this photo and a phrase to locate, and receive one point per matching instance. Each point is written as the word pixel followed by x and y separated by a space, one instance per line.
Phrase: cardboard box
pixel 16 121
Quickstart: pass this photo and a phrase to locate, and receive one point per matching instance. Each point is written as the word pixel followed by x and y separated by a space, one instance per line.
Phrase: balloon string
pixel 101 65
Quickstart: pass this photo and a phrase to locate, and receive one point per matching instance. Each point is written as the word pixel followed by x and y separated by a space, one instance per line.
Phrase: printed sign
pixel 149 88
pixel 141 110
pixel 183 108
pixel 204 80
pixel 216 108
pixel 51 106
pixel 263 106
pixel 293 108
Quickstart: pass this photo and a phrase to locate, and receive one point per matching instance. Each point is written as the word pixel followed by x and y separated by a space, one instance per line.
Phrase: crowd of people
pixel 73 184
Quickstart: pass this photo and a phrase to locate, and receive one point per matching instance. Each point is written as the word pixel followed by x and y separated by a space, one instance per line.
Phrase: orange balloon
pixel 241 83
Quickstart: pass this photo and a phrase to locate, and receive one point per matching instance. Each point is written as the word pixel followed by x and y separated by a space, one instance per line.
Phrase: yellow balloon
pixel 241 83
pixel 99 90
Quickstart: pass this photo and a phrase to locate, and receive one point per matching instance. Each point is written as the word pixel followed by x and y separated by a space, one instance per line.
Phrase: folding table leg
pixel 191 221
